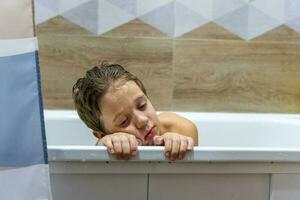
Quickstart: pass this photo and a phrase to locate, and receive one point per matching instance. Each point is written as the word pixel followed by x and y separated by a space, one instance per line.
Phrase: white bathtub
pixel 241 156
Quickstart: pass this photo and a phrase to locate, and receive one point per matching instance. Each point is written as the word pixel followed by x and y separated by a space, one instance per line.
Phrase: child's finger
pixel 125 146
pixel 190 143
pixel 168 147
pixel 109 145
pixel 175 147
pixel 133 145
pixel 158 140
pixel 117 145
pixel 183 148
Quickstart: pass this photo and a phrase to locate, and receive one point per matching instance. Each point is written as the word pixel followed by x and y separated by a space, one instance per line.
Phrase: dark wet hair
pixel 89 90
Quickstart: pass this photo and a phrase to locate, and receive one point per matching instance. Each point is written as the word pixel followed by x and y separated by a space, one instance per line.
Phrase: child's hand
pixel 122 145
pixel 176 145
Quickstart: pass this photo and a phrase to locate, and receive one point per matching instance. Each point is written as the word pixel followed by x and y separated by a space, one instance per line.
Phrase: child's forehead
pixel 120 85
pixel 123 86
pixel 123 89
pixel 121 96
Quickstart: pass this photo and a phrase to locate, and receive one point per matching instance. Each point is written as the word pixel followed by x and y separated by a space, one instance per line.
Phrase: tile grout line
pixel 173 75
pixel 253 41
pixel 147 186
pixel 270 185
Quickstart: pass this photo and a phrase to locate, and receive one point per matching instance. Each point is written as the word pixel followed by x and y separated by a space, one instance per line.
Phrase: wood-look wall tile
pixel 66 58
pixel 236 76
pixel 210 31
pixel 135 28
pixel 282 33
pixel 59 25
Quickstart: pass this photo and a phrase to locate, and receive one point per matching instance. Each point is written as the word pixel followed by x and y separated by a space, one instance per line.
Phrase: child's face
pixel 125 108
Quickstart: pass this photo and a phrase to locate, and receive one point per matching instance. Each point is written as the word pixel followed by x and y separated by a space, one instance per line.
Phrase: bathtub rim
pixel 156 154
pixel 72 114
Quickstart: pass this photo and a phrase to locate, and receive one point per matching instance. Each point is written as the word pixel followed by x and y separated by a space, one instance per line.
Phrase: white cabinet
pixel 285 187
pixel 209 187
pixel 98 186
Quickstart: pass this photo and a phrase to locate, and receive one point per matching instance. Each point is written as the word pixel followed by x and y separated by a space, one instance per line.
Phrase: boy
pixel 114 104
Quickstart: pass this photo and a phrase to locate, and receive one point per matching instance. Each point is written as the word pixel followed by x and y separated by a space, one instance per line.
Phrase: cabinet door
pixel 285 186
pixel 209 187
pixel 98 186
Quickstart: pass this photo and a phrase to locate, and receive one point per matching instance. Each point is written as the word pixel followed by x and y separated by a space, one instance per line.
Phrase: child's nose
pixel 141 121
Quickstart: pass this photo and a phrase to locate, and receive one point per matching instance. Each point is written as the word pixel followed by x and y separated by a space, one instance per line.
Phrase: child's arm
pixel 177 134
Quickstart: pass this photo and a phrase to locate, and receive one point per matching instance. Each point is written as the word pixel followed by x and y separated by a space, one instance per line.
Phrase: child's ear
pixel 98 134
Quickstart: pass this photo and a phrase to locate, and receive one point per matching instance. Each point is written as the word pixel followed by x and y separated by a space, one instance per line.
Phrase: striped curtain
pixel 24 172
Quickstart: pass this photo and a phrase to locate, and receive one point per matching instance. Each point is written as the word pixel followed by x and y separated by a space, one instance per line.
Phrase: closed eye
pixel 142 106
pixel 124 122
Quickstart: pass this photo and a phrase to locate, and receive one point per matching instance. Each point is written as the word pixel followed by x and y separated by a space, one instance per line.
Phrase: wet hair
pixel 90 89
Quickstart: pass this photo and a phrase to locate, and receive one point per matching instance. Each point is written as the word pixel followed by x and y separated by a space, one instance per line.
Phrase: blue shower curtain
pixel 24 171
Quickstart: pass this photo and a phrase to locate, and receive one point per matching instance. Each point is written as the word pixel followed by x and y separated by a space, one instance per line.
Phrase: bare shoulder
pixel 170 118
pixel 172 122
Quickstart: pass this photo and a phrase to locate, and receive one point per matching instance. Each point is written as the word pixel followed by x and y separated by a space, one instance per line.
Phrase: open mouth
pixel 150 133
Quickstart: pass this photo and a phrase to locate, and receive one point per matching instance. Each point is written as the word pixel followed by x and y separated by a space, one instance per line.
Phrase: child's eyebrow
pixel 141 97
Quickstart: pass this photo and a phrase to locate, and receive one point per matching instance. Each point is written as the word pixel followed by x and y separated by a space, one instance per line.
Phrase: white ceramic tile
pixel 174 19
pixel 202 7
pixel 130 6
pixel 145 6
pixel 45 10
pixel 113 15
pixel 65 5
pixel 294 24
pixel 162 19
pixel 245 18
pixel 248 22
pixel 186 20
pixel 259 23
pixel 292 9
pixel 221 9
pixel 236 22
pixel 292 14
pixel 272 8
pixel 85 15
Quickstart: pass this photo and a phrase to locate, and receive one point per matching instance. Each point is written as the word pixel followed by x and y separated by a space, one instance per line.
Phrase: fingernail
pixel 111 151
pixel 167 154
pixel 134 152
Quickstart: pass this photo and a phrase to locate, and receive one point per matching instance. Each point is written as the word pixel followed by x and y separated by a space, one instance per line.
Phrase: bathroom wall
pixel 242 56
